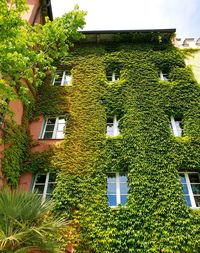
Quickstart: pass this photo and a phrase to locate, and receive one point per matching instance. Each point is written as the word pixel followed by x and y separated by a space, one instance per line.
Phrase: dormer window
pixel 112 127
pixel 113 75
pixel 163 76
pixel 62 78
pixel 175 125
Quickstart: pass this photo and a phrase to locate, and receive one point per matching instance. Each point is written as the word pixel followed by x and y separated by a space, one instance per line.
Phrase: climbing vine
pixel 156 217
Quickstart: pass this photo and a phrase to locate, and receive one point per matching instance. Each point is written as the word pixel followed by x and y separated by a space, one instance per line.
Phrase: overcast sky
pixel 184 15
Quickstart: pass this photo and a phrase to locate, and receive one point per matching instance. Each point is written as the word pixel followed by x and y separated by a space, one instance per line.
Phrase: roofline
pixel 171 30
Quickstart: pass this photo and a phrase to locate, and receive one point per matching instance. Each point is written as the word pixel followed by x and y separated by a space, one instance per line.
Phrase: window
pixel 191 187
pixel 53 128
pixel 175 125
pixel 112 127
pixel 62 78
pixel 163 76
pixel 113 76
pixel 117 189
pixel 44 185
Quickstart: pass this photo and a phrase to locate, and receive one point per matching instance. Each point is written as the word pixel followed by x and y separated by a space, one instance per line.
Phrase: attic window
pixel 112 127
pixel 113 75
pixel 163 76
pixel 176 126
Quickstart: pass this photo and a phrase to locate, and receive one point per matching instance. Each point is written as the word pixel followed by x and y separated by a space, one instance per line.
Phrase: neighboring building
pixel 38 10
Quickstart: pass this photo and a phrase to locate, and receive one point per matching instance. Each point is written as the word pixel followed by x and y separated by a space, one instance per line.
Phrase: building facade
pixel 113 139
pixel 121 118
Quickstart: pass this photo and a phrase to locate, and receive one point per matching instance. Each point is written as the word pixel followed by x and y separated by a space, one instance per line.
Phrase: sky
pixel 184 15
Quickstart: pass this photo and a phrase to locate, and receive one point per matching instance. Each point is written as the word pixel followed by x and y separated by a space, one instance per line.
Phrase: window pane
pixel 111 188
pixel 122 177
pixel 187 198
pixel 49 128
pixel 50 188
pixel 197 200
pixel 51 121
pixel 185 189
pixel 112 200
pixel 111 177
pixel 59 135
pixel 67 79
pixel 41 179
pixel 183 180
pixel 194 177
pixel 61 120
pixel 123 199
pixel 52 177
pixel 123 188
pixel 48 135
pixel 195 188
pixel 60 127
pixel 110 130
pixel 39 189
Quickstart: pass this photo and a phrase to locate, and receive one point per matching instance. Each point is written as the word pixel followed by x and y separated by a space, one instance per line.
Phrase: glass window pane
pixel 40 179
pixel 195 188
pixel 60 127
pixel 110 130
pixel 50 188
pixel 185 189
pixel 48 135
pixel 61 120
pixel 123 188
pixel 59 135
pixel 197 201
pixel 49 128
pixel 194 177
pixel 111 177
pixel 52 177
pixel 182 177
pixel 187 198
pixel 39 189
pixel 123 177
pixel 112 200
pixel 123 199
pixel 111 188
pixel 51 121
pixel 67 79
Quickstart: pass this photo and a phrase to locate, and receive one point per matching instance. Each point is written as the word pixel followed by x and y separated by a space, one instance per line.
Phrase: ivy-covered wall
pixel 156 217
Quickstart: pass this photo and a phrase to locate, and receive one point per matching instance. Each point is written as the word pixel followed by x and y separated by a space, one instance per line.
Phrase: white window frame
pixel 44 194
pixel 64 81
pixel 118 193
pixel 115 126
pixel 54 130
pixel 115 77
pixel 190 192
pixel 177 132
pixel 163 76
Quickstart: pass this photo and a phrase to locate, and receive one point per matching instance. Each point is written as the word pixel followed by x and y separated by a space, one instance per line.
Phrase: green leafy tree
pixel 27 224
pixel 29 52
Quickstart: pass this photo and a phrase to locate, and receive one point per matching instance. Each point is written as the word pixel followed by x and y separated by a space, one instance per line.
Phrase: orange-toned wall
pixel 16 106
pixel 33 7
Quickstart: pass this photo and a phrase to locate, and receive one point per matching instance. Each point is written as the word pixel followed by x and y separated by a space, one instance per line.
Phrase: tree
pixel 28 53
pixel 27 224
